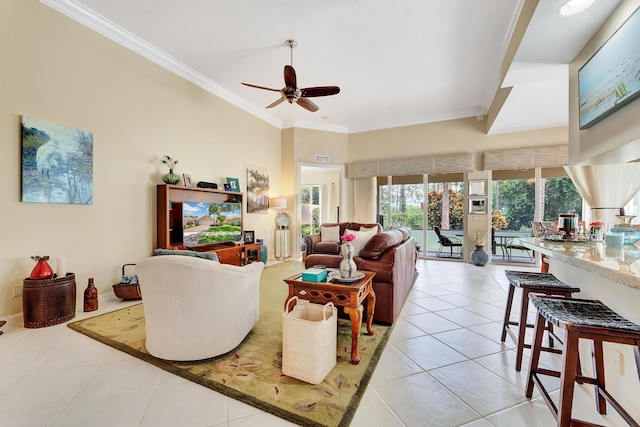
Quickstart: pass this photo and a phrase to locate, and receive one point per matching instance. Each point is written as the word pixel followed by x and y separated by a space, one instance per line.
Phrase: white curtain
pixel 606 188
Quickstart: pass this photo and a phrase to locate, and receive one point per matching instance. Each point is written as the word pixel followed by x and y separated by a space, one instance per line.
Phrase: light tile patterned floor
pixel 444 366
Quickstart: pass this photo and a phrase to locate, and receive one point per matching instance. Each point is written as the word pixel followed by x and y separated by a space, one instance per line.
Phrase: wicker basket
pixel 309 340
pixel 127 291
pixel 48 302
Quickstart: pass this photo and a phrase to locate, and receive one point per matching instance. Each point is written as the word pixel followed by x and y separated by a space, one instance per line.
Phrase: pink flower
pixel 597 224
pixel 348 237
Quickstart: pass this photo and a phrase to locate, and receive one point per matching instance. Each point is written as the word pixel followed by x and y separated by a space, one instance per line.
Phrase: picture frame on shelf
pixel 187 180
pixel 477 187
pixel 249 237
pixel 234 184
pixel 227 187
pixel 477 205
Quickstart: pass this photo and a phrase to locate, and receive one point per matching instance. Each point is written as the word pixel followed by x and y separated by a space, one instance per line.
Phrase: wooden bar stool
pixel 582 319
pixel 541 283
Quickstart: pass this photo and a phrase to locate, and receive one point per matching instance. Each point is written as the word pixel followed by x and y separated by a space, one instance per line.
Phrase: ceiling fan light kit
pixel 292 93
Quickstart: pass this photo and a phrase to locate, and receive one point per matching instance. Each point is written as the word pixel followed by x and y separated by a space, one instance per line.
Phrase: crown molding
pixel 315 126
pixel 99 24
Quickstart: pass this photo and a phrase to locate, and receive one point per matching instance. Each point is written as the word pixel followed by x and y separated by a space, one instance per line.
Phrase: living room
pixel 58 70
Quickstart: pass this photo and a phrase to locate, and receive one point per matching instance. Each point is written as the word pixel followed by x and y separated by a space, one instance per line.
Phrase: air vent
pixel 322 159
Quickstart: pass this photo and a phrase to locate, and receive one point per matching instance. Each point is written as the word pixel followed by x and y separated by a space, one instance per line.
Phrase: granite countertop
pixel 617 263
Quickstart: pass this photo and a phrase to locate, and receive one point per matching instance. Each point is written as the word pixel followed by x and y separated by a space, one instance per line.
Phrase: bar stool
pixel 541 283
pixel 582 319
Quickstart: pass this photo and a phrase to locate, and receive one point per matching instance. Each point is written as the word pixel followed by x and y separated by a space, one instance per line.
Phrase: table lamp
pixel 283 220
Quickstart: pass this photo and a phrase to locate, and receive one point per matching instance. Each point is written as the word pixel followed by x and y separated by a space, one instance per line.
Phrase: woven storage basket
pixel 309 340
pixel 47 302
pixel 127 291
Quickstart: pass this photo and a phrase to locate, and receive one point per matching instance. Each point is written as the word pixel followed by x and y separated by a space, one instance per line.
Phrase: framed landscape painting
pixel 257 191
pixel 57 163
pixel 610 79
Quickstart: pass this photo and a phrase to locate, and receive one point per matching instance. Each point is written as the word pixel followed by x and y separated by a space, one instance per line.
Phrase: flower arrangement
pixel 348 237
pixel 597 224
pixel 169 161
pixel 480 238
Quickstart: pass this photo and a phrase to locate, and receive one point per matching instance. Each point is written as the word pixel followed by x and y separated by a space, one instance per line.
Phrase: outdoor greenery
pixel 310 199
pixel 515 200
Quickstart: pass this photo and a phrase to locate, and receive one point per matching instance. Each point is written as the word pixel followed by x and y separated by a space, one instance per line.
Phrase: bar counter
pixel 618 263
pixel 610 274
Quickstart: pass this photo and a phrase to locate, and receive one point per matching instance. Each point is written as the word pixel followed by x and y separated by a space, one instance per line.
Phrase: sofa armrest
pixel 310 241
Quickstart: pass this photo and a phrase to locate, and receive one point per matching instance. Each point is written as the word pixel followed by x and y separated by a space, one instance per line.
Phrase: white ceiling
pixel 398 63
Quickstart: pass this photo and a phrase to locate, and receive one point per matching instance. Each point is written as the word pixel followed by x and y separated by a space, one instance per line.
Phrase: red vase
pixel 42 270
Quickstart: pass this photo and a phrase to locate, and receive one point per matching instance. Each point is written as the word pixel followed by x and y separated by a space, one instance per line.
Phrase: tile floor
pixel 444 366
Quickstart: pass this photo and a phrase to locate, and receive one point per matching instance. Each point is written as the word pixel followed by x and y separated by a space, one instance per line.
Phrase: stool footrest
pixel 619 409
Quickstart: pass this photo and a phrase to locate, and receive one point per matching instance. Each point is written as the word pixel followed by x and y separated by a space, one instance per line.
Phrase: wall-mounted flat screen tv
pixel 211 222
pixel 610 79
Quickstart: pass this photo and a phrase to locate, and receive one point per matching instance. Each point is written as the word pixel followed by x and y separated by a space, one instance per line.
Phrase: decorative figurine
pixel 42 270
pixel 90 297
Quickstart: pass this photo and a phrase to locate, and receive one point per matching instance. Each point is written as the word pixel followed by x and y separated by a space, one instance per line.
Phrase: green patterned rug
pixel 252 372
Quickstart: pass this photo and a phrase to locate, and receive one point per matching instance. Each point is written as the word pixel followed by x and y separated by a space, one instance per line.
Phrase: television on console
pixel 211 222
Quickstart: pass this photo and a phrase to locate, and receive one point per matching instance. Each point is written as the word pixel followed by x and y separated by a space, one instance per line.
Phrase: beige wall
pixel 615 139
pixel 452 136
pixel 57 70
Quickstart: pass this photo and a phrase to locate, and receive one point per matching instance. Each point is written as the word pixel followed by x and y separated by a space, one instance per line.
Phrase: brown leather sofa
pixel 391 254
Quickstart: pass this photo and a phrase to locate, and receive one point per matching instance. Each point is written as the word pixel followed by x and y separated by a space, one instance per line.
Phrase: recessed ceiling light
pixel 571 7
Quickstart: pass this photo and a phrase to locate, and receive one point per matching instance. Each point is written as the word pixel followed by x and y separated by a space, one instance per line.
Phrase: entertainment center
pixel 203 220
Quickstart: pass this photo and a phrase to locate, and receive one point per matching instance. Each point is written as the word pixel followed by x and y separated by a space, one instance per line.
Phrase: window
pixel 310 196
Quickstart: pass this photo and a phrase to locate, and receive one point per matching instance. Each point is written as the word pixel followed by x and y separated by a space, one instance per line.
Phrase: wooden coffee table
pixel 347 295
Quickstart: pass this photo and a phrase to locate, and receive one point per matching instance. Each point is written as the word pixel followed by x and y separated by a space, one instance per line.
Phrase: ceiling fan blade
pixel 310 92
pixel 261 87
pixel 308 105
pixel 290 76
pixel 276 102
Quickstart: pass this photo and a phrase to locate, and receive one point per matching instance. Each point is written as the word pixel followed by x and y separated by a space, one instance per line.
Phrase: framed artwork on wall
pixel 57 163
pixel 478 187
pixel 477 205
pixel 609 80
pixel 257 191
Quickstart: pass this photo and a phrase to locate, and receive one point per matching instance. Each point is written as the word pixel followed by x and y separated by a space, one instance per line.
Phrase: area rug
pixel 252 372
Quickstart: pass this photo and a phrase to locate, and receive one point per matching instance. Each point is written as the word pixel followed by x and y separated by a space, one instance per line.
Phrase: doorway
pixel 320 197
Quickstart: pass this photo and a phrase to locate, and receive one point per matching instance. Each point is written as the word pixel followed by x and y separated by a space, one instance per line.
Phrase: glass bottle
pixel 90 297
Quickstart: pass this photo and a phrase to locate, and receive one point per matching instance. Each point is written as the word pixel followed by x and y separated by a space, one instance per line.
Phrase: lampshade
pixel 278 203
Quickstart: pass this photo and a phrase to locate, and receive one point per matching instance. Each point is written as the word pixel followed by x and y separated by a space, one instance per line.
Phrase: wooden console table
pixel 347 295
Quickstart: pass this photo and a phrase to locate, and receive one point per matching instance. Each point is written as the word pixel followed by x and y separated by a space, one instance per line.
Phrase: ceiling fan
pixel 292 93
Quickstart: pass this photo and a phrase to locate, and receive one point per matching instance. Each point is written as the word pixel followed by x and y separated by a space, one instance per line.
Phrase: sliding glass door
pixel 445 210
pixel 400 202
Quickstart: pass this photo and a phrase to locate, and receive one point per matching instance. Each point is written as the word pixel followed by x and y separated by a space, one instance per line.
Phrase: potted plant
pixel 170 178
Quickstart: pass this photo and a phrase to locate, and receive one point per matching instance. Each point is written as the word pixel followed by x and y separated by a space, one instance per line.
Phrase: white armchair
pixel 195 308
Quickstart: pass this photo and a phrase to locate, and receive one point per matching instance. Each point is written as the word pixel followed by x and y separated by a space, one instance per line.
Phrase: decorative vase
pixel 90 297
pixel 348 267
pixel 42 270
pixel 479 256
pixel 631 235
pixel 170 178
